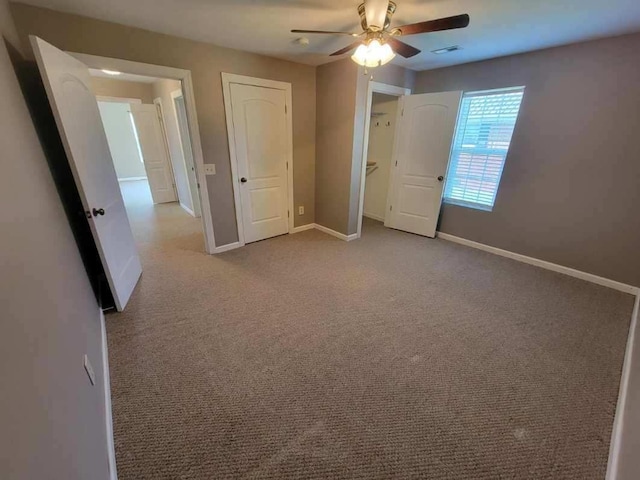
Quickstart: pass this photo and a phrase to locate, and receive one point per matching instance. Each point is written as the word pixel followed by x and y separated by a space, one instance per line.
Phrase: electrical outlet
pixel 89 369
pixel 301 210
pixel 209 168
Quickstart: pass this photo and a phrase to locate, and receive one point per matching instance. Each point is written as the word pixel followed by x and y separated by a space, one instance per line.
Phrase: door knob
pixel 440 178
pixel 98 211
pixel 243 180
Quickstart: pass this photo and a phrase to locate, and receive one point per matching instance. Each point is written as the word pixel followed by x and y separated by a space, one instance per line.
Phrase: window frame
pixel 459 124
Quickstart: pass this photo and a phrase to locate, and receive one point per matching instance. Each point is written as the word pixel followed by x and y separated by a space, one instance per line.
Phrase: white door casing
pixel 260 140
pixel 421 152
pixel 75 108
pixel 154 153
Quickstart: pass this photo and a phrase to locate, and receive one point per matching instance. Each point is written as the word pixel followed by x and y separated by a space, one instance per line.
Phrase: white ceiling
pixel 129 77
pixel 498 27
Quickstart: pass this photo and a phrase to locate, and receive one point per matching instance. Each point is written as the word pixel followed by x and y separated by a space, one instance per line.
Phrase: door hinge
pixel 288 213
pixel 391 208
pixel 198 184
pixel 396 163
pixel 402 113
pixel 287 165
pixel 285 108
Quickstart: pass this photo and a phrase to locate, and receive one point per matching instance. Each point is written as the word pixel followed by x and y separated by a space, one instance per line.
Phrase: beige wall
pixel 52 420
pixel 381 133
pixel 341 104
pixel 336 94
pixel 206 62
pixel 108 87
pixel 570 191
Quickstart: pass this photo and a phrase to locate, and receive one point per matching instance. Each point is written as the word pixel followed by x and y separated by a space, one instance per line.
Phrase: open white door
pixel 421 151
pixel 75 109
pixel 154 153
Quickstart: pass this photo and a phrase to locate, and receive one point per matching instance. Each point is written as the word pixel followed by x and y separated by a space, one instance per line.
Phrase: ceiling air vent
pixel 439 51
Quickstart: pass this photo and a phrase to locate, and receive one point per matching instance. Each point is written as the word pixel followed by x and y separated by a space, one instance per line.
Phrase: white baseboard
pixel 227 247
pixel 341 236
pixel 373 216
pixel 589 277
pixel 131 179
pixel 308 226
pixel 111 449
pixel 615 447
pixel 187 209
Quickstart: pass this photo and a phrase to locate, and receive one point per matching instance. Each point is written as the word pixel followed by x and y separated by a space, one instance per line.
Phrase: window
pixel 483 133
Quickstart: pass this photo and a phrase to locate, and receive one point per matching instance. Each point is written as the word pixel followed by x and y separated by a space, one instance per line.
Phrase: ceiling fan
pixel 378 43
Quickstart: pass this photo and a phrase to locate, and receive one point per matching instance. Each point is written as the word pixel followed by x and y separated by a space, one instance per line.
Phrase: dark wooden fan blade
pixel 326 32
pixel 345 49
pixel 448 23
pixel 401 48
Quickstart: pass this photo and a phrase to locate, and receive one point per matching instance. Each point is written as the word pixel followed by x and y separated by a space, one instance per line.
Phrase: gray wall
pixel 206 62
pixel 52 420
pixel 570 192
pixel 341 102
pixel 336 93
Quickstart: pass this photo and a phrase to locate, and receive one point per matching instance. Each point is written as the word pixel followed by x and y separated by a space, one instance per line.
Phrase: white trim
pixel 103 98
pixel 341 236
pixel 111 449
pixel 371 88
pixel 589 277
pixel 159 71
pixel 227 80
pixel 618 421
pixel 187 209
pixel 227 247
pixel 373 216
pixel 308 226
pixel 132 179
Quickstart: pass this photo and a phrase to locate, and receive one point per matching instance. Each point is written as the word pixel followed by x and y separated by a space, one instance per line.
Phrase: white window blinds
pixel 483 133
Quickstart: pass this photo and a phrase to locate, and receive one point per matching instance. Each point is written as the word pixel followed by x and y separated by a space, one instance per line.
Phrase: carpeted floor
pixel 393 356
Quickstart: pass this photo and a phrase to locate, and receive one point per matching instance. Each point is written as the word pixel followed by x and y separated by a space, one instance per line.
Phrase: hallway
pixel 165 225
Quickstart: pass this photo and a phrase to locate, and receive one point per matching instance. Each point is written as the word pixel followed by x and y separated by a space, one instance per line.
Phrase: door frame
pixel 184 76
pixel 374 87
pixel 227 80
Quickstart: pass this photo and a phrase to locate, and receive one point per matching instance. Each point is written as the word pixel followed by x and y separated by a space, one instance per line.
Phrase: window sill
pixel 475 206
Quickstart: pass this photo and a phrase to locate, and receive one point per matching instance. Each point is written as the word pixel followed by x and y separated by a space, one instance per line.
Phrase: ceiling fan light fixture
pixel 373 54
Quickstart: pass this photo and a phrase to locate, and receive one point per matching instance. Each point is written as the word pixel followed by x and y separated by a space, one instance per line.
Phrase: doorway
pixel 147 146
pixel 422 139
pixel 378 167
pixel 377 155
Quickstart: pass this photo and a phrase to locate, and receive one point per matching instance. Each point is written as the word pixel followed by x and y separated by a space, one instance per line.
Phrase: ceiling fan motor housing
pixel 391 8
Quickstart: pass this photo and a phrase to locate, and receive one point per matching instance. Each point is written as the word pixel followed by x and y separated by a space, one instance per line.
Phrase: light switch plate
pixel 209 168
pixel 301 210
pixel 89 369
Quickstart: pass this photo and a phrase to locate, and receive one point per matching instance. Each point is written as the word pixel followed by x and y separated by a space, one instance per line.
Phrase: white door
pixel 421 154
pixel 185 141
pixel 154 153
pixel 75 108
pixel 260 125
